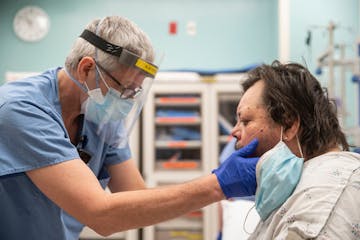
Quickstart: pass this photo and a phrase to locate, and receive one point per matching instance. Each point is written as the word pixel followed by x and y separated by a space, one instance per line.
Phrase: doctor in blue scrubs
pixel 64 138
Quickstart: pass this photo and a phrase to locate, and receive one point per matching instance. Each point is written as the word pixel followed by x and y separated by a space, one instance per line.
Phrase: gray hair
pixel 116 30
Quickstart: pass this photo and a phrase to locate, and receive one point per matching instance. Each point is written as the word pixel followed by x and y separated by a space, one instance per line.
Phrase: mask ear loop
pixel 101 76
pixel 297 141
pixel 85 89
pixel 246 217
pixel 299 146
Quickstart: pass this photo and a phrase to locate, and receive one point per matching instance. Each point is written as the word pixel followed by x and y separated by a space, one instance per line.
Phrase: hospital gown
pixel 325 205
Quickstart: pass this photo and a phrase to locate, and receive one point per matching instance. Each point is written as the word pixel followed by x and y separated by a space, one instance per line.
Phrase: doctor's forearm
pixel 128 210
pixel 75 189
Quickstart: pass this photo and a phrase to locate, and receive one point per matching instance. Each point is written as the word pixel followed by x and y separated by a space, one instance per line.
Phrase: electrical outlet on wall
pixel 191 28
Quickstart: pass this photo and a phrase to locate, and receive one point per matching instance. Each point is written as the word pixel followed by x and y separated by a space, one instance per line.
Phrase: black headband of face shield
pixel 124 55
pixel 101 43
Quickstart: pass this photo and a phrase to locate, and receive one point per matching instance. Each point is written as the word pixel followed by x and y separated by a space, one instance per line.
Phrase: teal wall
pixel 230 33
pixel 315 15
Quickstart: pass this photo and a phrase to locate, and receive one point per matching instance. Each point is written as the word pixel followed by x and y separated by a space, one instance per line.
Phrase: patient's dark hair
pixel 291 92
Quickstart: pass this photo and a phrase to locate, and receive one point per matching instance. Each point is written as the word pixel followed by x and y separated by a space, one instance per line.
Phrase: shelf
pixel 178 120
pixel 177 165
pixel 185 126
pixel 229 98
pixel 177 101
pixel 190 144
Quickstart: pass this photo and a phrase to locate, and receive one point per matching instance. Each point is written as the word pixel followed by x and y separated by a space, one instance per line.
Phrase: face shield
pixel 116 113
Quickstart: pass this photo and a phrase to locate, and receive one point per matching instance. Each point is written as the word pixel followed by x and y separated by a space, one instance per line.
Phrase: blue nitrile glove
pixel 219 236
pixel 237 174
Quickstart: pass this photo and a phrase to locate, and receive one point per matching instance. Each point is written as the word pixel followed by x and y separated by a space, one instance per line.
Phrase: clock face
pixel 31 23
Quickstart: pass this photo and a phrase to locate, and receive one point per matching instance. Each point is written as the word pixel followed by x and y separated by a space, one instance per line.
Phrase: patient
pixel 308 184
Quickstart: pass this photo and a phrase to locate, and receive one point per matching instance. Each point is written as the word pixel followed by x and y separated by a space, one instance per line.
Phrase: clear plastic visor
pixel 128 88
pixel 131 84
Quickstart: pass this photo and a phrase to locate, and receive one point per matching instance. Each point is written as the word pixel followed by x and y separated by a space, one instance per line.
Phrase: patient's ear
pixel 291 132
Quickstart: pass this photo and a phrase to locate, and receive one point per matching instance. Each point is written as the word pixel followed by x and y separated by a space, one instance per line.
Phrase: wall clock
pixel 31 23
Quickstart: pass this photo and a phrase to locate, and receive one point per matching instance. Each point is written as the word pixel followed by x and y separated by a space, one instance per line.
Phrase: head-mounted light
pixel 126 57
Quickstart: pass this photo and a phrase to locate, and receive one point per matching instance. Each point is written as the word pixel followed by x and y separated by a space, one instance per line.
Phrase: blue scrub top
pixel 33 135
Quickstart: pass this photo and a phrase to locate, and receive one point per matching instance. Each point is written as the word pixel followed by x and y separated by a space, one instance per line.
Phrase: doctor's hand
pixel 237 174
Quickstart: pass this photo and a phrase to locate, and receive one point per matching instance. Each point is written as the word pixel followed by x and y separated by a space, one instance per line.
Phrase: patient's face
pixel 253 121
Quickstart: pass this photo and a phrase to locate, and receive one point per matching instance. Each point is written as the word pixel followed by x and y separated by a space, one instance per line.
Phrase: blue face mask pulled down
pixel 278 173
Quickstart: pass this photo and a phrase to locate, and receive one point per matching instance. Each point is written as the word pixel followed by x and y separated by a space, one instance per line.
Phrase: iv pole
pixel 327 59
